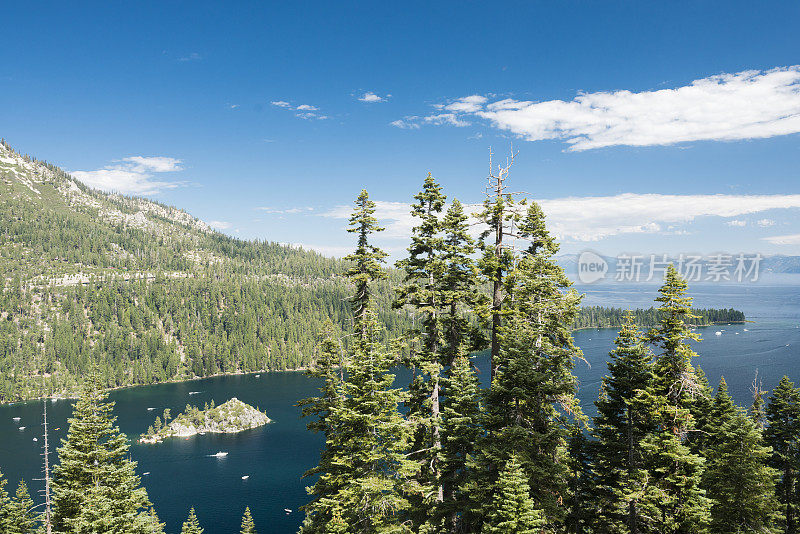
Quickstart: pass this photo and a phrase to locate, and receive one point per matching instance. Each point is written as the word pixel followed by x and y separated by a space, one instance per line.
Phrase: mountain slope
pixel 145 291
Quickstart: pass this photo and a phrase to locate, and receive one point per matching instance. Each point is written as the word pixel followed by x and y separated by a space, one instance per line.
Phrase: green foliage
pixel 737 479
pixel 21 517
pixel 625 418
pixel 783 435
pixel 95 486
pixel 191 525
pixel 513 511
pixel 248 527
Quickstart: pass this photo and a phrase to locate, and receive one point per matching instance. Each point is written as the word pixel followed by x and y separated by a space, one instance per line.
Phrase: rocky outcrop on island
pixel 227 418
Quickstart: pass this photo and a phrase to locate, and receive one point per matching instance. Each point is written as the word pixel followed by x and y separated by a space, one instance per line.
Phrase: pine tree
pixel 360 485
pixel 191 525
pixel 5 504
pixel 248 527
pixel 95 485
pixel 624 419
pixel 737 479
pixel 783 435
pixel 497 258
pixel 366 259
pixel 21 518
pixel 423 291
pixel 329 367
pixel 461 428
pixel 513 511
pixel 531 404
pixel 676 471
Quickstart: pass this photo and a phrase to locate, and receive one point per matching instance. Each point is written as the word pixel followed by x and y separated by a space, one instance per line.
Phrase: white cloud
pixel 219 225
pixel 371 97
pixel 281 104
pixel 194 56
pixel 764 223
pixel 285 211
pixel 307 107
pixel 745 105
pixel 589 219
pixel 467 104
pixel 446 118
pixel 407 123
pixel 736 222
pixel 793 239
pixel 132 175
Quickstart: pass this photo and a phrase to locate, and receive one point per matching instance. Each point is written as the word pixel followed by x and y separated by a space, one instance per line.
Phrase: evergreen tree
pixel 423 291
pixel 5 503
pixel 367 437
pixel 461 428
pixel 248 527
pixel 191 525
pixel 676 471
pixel 624 419
pixel 21 518
pixel 531 403
pixel 497 257
pixel 95 486
pixel 737 479
pixel 783 435
pixel 366 259
pixel 513 510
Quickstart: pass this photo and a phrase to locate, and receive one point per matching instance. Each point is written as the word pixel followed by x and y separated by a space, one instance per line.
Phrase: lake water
pixel 182 472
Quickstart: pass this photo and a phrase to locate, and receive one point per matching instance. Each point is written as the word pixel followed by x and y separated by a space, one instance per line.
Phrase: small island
pixel 227 418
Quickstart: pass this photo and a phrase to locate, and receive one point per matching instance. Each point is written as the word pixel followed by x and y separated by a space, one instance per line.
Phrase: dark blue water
pixel 183 473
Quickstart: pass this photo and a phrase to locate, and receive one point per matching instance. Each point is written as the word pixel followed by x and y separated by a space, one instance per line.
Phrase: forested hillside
pixel 147 291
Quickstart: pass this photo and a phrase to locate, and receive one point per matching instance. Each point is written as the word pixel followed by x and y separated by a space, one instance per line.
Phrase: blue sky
pixel 674 125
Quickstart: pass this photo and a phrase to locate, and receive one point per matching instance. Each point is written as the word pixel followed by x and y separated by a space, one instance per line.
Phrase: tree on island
pixel 248 527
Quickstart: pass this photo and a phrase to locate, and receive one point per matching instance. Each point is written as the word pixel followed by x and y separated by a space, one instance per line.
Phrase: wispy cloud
pixel 745 105
pixel 406 123
pixel 194 56
pixel 765 223
pixel 302 111
pixel 588 219
pixel 736 222
pixel 371 97
pixel 133 175
pixel 285 211
pixel 219 225
pixel 793 239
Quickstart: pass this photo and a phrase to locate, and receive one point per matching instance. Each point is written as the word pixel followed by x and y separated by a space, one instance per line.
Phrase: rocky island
pixel 227 418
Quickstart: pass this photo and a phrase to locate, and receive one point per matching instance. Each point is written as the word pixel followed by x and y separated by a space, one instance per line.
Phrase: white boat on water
pixel 287 510
pixel 193 392
pixel 22 428
pixel 145 473
pixel 258 376
pixel 717 333
pixel 35 439
pixel 16 418
pixel 245 477
pixel 220 454
pixel 150 409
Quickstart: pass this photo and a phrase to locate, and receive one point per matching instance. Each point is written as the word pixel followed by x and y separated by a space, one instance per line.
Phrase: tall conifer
pixel 531 404
pixel 624 419
pixel 21 517
pixel 737 479
pixel 783 435
pixel 95 485
pixel 676 471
